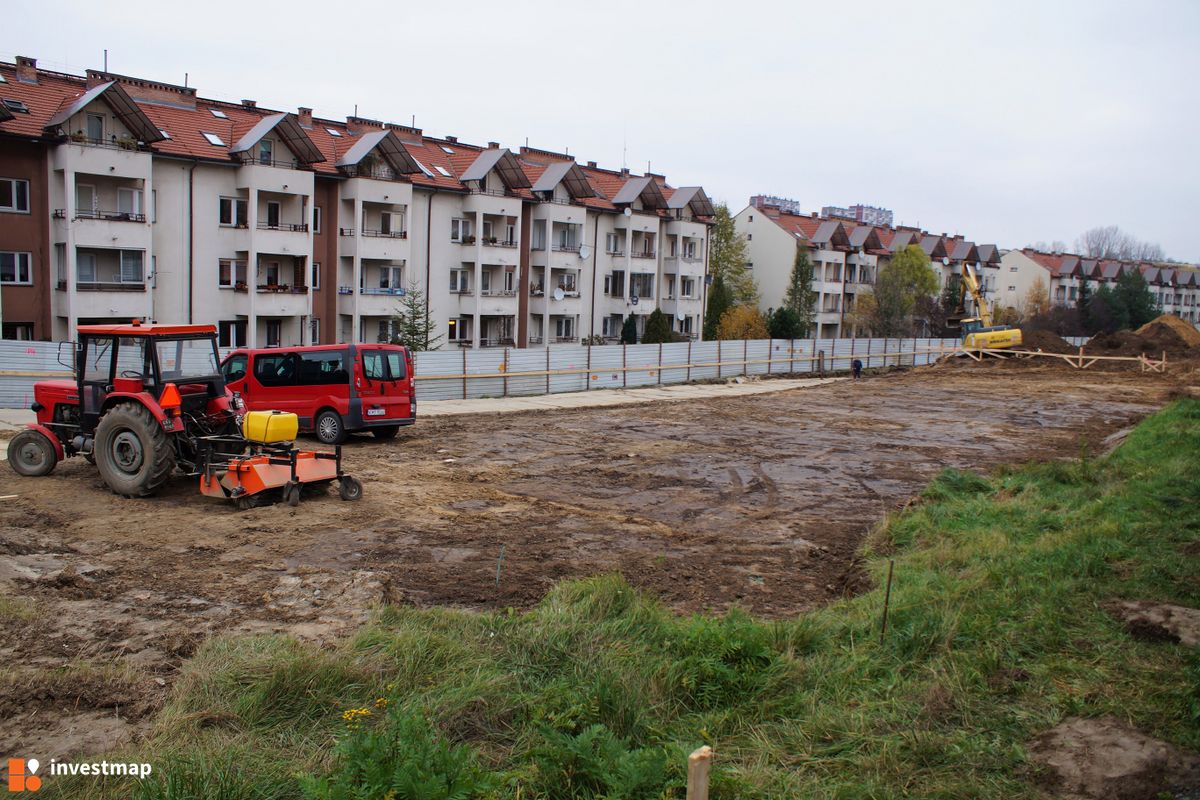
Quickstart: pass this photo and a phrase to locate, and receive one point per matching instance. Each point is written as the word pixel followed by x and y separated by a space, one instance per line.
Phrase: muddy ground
pixel 759 501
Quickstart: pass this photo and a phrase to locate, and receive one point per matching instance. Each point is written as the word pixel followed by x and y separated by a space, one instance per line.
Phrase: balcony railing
pixel 643 254
pixel 396 292
pixel 498 293
pixel 535 340
pixel 107 286
pixel 499 342
pixel 248 160
pixel 615 253
pixel 383 234
pixel 297 227
pixel 345 231
pixel 345 290
pixel 463 292
pixel 561 339
pixel 500 243
pixel 114 216
pixel 566 248
pixel 282 288
pixel 111 144
pixel 377 173
pixel 692 259
pixel 492 192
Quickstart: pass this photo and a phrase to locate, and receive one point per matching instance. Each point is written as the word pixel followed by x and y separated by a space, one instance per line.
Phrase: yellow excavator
pixel 978 331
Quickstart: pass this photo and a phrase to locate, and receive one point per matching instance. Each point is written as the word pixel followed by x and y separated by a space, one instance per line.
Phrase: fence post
pixel 792 356
pixel 547 367
pixel 851 353
pixel 868 353
pixel 746 357
pixel 504 369
pixel 719 362
pixel 660 363
pixel 812 362
pixel 699 764
pixel 624 366
pixel 689 361
pixel 464 352
pixel 587 384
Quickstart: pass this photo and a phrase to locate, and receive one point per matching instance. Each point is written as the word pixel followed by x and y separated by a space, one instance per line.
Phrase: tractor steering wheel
pixel 128 373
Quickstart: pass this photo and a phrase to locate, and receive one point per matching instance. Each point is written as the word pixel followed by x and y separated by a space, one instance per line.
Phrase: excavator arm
pixel 971 284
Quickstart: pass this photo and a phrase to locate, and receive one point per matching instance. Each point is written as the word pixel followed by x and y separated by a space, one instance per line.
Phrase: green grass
pixel 996 632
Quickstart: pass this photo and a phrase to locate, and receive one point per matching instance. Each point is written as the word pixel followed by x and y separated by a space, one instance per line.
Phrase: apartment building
pixel 126 198
pixel 846 258
pixel 1175 287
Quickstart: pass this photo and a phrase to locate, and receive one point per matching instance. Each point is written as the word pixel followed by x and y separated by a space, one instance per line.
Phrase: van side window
pixel 324 367
pixel 275 370
pixel 396 366
pixel 235 368
pixel 374 367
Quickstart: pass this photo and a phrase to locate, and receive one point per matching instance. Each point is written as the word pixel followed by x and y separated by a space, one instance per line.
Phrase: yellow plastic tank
pixel 270 427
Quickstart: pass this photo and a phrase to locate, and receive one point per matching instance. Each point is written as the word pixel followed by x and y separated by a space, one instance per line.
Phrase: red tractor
pixel 150 400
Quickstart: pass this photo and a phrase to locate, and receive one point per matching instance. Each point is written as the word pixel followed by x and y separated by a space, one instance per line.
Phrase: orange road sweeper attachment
pixel 271 468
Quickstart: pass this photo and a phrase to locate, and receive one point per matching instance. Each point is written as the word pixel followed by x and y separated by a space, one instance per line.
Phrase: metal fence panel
pixel 572 360
pixel 675 355
pixel 520 361
pixel 757 352
pixel 641 364
pixel 485 362
pixel 438 362
pixel 607 362
pixel 704 357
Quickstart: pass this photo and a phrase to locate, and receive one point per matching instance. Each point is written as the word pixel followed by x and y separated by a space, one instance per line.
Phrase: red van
pixel 334 389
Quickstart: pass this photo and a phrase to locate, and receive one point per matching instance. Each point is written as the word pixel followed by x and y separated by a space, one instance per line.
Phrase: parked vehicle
pixel 333 389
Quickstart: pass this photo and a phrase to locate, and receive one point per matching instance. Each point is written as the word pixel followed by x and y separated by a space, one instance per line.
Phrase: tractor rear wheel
pixel 133 453
pixel 32 454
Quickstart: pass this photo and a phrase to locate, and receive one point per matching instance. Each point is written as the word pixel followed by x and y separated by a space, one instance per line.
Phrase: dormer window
pixel 218 113
pixel 212 139
pixel 95 127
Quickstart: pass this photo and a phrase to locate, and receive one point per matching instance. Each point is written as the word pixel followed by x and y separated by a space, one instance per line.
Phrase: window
pixel 14 195
pixel 446 149
pixel 510 278
pixel 460 281
pixel 391 277
pixel 539 234
pixel 131 266
pixel 218 113
pixel 423 168
pixel 459 330
pixel 487 229
pixel 274 333
pixel 460 230
pixel 316 277
pixel 22 331
pixel 164 134
pixel 231 273
pixel 95 127
pixel 391 223
pixel 510 234
pixel 154 205
pixel 614 283
pixel 85 269
pixel 749 237
pixel 332 132
pixel 235 368
pixel 97 362
pixel 324 367
pixel 16 105
pixel 213 139
pixel 266 151
pixel 275 370
pixel 314 328
pixel 564 327
pixel 233 212
pixel 442 170
pixel 15 268
pixel 129 201
pixel 316 219
pixel 273 209
pixel 612 243
pixel 610 327
pixel 751 218
pixel 642 284
pixel 1013 269
pixel 687 287
pixel 689 248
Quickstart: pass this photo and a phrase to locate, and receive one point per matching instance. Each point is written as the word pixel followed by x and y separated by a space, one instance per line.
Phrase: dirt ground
pixel 761 502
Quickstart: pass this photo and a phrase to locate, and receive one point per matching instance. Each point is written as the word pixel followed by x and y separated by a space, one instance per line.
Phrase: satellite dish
pixel 559 294
pixel 585 251
pixel 946 261
pixel 679 315
pixel 629 212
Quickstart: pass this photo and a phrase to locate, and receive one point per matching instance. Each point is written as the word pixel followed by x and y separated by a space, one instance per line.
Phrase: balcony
pixel 566 248
pixel 271 288
pixel 535 340
pixel 644 254
pixel 381 234
pixel 104 286
pixel 345 231
pixel 498 293
pixel 565 339
pixel 615 253
pixel 501 342
pixel 248 160
pixel 397 291
pixel 111 216
pixel 122 143
pixel 296 227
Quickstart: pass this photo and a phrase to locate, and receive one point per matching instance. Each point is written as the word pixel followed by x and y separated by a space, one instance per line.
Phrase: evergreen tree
pixel 801 297
pixel 1106 312
pixel 785 323
pixel 1133 293
pixel 727 258
pixel 412 325
pixel 629 330
pixel 1084 301
pixel 658 328
pixel 720 300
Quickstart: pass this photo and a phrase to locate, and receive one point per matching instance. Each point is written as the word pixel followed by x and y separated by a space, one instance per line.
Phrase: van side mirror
pixel 67 357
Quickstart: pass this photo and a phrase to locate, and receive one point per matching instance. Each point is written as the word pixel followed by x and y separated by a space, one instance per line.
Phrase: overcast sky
pixel 1008 122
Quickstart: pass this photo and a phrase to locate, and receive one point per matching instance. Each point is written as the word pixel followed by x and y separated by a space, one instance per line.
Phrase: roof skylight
pixel 218 113
pixel 212 138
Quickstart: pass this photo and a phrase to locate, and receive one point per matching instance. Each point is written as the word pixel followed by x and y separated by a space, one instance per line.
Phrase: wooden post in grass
pixel 699 763
pixel 887 600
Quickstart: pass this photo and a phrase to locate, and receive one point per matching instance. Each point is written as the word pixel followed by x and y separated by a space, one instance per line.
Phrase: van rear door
pixel 385 393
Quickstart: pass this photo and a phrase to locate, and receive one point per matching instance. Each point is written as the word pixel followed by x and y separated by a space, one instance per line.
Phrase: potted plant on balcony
pixel 491 240
pixel 79 136
pixel 126 142
pixel 469 240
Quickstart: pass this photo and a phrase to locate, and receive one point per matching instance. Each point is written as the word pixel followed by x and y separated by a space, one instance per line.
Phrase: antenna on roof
pixel 414 121
pixel 185 80
pixel 356 109
pixel 106 59
pixel 647 166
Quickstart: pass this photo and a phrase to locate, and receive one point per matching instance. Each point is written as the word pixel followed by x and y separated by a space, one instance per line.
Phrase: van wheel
pixel 329 427
pixel 386 432
pixel 31 454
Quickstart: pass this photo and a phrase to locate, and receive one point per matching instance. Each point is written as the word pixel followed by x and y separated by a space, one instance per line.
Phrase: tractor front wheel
pixel 31 454
pixel 133 453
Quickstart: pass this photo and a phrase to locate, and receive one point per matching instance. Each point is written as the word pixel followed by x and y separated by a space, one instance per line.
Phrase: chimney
pixel 624 172
pixel 451 139
pixel 305 115
pixel 814 215
pixel 592 164
pixel 249 103
pixel 493 145
pixel 27 69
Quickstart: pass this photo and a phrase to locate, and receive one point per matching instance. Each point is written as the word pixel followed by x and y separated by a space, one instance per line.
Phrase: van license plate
pixel 376 412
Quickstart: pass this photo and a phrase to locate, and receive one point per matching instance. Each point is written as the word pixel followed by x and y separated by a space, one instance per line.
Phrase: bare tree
pixel 1052 247
pixel 1110 241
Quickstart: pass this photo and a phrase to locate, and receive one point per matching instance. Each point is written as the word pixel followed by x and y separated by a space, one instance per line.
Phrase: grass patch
pixel 996 632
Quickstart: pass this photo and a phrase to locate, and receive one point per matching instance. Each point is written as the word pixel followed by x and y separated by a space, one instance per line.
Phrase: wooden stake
pixel 699 764
pixel 887 600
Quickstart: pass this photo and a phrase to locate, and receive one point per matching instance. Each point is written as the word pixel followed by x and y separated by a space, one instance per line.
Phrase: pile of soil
pixel 1160 340
pixel 1046 341
pixel 1167 323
